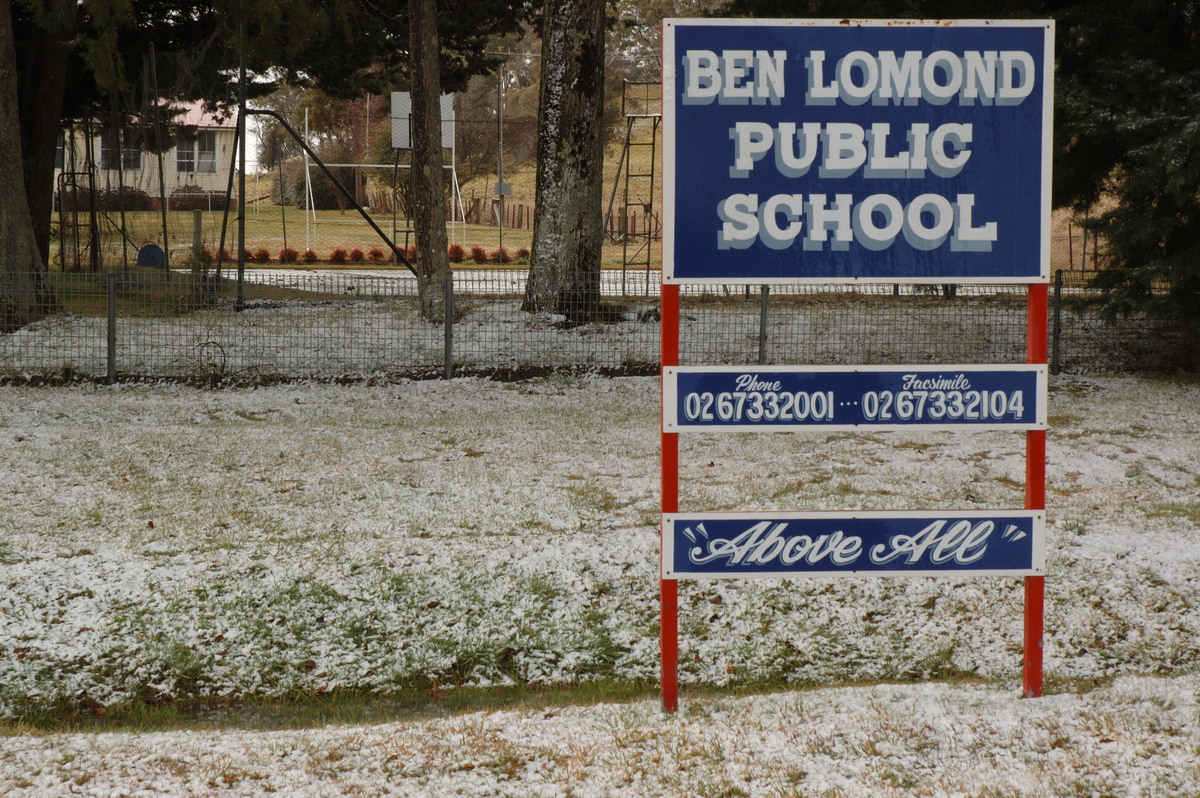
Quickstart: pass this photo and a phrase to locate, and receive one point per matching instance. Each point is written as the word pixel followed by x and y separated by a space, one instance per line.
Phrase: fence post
pixel 111 376
pixel 1057 326
pixel 448 328
pixel 762 326
pixel 197 230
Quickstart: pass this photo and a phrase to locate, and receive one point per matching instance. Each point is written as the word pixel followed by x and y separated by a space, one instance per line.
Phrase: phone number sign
pixel 739 398
pixel 817 150
pixel 865 544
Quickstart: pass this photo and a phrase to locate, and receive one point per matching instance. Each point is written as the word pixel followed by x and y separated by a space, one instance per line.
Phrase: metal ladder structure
pixel 78 231
pixel 636 224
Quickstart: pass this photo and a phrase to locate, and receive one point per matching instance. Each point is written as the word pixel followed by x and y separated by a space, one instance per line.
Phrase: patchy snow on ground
pixel 366 338
pixel 164 542
pixel 1137 736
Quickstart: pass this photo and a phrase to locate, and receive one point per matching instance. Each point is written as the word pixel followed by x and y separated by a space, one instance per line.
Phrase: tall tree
pixel 24 287
pixel 41 86
pixel 427 197
pixel 568 226
pixel 1128 137
pixel 1126 132
pixel 72 55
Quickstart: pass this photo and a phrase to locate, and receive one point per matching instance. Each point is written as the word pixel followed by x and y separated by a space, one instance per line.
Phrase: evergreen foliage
pixel 1128 143
pixel 1127 131
pixel 87 60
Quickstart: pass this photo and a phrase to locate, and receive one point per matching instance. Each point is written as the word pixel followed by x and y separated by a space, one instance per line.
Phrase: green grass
pixel 413 703
pixel 270 227
pixel 1188 511
pixel 336 707
pixel 152 293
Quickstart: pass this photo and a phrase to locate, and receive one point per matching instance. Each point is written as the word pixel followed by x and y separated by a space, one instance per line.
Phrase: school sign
pixel 856 150
pixel 816 150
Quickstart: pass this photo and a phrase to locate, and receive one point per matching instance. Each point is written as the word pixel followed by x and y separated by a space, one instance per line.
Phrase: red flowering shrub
pixel 479 254
pixel 523 254
pixel 501 256
pixel 288 255
pixel 455 253
pixel 309 256
pixel 339 255
pixel 262 255
pixel 375 255
pixel 356 256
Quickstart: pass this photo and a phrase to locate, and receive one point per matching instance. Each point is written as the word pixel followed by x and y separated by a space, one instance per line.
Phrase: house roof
pixel 195 115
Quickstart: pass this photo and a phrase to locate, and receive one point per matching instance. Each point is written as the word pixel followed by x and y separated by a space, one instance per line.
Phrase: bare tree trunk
pixel 40 94
pixel 568 230
pixel 428 199
pixel 25 292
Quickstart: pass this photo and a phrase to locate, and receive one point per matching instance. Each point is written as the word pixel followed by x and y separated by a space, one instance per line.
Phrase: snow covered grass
pixel 166 543
pixel 1136 736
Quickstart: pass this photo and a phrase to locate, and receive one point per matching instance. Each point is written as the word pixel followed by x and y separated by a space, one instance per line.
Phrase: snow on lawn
pixel 1137 736
pixel 168 542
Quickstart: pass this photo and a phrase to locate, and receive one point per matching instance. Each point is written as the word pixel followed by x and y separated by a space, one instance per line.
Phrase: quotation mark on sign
pixel 691 535
pixel 1014 533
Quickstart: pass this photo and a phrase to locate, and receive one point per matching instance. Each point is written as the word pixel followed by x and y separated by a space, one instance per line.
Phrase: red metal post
pixel 669 588
pixel 669 612
pixel 1035 499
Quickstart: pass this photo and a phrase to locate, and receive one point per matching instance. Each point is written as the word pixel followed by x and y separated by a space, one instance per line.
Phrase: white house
pixel 195 171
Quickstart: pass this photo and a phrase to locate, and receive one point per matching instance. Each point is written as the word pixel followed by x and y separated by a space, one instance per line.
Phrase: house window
pixel 197 154
pixel 185 155
pixel 131 156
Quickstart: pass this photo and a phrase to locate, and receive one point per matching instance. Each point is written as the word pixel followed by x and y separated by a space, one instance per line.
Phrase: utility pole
pixel 241 132
pixel 500 153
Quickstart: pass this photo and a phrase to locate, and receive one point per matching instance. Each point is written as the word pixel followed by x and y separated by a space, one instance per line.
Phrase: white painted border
pixel 668 115
pixel 670 393
pixel 668 124
pixel 1038 546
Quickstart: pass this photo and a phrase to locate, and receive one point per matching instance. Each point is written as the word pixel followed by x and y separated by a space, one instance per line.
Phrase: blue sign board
pixel 889 151
pixel 780 398
pixel 866 544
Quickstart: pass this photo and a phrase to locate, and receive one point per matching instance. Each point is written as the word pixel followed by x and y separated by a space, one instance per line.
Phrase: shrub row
pixel 106 199
pixel 454 252
pixel 129 198
pixel 480 255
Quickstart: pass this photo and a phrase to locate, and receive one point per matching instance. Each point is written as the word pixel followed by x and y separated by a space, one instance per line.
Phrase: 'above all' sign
pixel 792 398
pixel 802 150
pixel 865 544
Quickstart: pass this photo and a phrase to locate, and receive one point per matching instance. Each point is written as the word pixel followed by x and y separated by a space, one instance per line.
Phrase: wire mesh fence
pixel 369 323
pixel 352 313
pixel 1083 337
